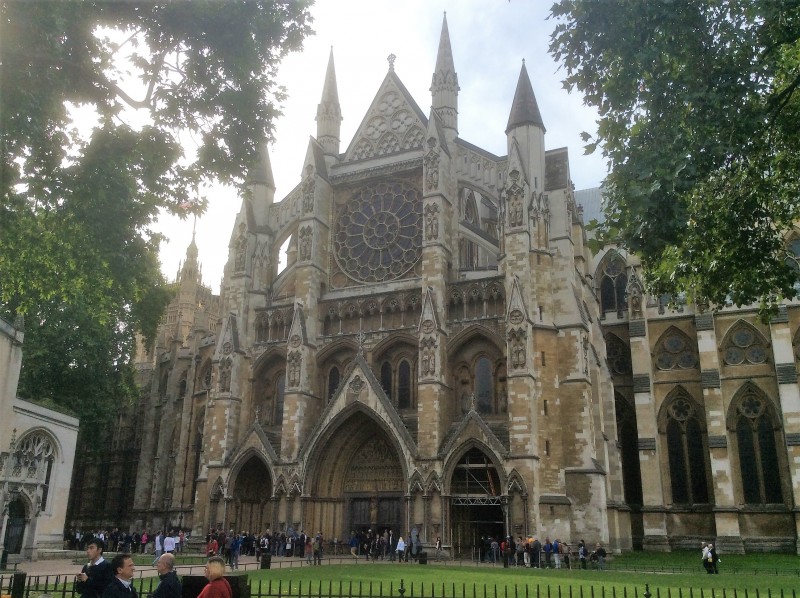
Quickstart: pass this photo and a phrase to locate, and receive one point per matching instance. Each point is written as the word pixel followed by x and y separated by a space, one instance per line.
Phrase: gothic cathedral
pixel 440 351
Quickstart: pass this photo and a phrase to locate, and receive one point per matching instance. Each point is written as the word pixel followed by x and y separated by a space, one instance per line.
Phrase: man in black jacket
pixel 169 586
pixel 96 574
pixel 121 585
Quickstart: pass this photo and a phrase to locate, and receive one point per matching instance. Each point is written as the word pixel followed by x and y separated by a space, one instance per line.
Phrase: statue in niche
pixel 294 360
pixel 515 207
pixel 305 244
pixel 225 375
pixel 240 250
pixel 428 359
pixel 432 222
pixel 517 348
pixel 431 161
pixel 636 301
pixel 309 185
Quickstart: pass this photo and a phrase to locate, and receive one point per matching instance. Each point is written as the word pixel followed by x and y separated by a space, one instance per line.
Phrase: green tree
pixel 700 122
pixel 78 257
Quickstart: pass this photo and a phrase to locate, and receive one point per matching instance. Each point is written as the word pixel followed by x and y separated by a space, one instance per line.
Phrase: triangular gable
pixel 297 331
pixel 394 123
pixel 436 129
pixel 229 334
pixel 517 313
pixel 473 427
pixel 359 385
pixel 255 439
pixel 515 162
pixel 428 314
pixel 315 157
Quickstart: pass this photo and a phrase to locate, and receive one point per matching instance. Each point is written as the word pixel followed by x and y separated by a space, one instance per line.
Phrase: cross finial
pixel 391 58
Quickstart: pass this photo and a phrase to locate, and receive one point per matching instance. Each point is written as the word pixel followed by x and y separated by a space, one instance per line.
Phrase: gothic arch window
pixel 757 430
pixel 484 385
pixel 619 355
pixel 613 282
pixel 675 351
pixel 204 379
pixel 404 385
pixel 470 209
pixel 34 458
pixel 628 435
pixel 744 345
pixel 333 382
pixel 397 380
pixel 386 378
pixel 278 398
pixel 682 423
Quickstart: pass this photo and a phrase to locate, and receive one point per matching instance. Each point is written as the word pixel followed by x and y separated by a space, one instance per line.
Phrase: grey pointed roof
pixel 330 92
pixel 524 110
pixel 261 172
pixel 444 58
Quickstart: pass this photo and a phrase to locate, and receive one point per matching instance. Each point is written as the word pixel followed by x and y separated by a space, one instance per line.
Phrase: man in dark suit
pixel 169 586
pixel 96 574
pixel 121 586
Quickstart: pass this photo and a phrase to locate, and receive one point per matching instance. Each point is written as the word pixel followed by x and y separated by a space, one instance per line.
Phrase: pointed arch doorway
pixel 477 504
pixel 359 483
pixel 15 527
pixel 252 491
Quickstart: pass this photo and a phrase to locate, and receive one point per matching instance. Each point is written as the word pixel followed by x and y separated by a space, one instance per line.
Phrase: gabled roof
pixel 394 123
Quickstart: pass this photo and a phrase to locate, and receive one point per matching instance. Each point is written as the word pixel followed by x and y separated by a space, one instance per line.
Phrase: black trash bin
pixel 422 558
pixel 266 560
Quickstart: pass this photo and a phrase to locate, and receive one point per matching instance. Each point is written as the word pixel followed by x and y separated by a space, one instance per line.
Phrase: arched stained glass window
pixel 687 457
pixel 483 385
pixel 618 354
pixel 674 350
pixel 758 454
pixel 404 385
pixel 629 449
pixel 333 381
pixel 613 281
pixel 744 346
pixel 280 386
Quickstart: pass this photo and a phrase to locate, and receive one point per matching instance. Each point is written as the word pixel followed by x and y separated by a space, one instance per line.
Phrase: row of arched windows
pixel 675 350
pixel 753 440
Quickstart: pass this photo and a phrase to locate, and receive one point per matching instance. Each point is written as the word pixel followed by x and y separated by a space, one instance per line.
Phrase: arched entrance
pixel 251 497
pixel 476 503
pixel 360 483
pixel 15 527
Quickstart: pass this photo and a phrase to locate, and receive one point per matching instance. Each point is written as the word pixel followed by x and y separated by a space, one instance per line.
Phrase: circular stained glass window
pixel 378 234
pixel 756 354
pixel 734 355
pixel 743 337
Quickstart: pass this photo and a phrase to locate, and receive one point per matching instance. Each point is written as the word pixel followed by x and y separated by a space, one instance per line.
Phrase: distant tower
pixel 444 86
pixel 329 113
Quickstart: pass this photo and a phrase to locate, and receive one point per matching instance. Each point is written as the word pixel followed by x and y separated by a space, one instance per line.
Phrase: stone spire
pixel 524 110
pixel 444 86
pixel 261 172
pixel 329 113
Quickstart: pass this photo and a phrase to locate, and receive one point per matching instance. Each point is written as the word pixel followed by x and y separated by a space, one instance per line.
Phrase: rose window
pixel 674 351
pixel 378 234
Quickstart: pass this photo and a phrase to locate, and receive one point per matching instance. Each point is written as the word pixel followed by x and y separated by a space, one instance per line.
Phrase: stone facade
pixel 708 409
pixel 429 356
pixel 37 452
pixel 441 351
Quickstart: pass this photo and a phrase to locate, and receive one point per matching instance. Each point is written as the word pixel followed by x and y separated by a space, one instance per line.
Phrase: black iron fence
pixel 20 585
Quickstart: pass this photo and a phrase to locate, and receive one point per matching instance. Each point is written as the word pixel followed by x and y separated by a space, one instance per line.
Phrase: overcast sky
pixel 489 38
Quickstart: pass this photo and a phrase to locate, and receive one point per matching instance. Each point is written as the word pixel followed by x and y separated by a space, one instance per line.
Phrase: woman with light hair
pixel 217 586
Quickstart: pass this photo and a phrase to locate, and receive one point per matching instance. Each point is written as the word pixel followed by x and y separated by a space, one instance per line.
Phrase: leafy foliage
pixel 699 107
pixel 78 257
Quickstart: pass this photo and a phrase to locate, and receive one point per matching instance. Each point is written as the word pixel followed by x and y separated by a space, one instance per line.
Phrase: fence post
pixel 18 585
pixel 401 590
pixel 647 593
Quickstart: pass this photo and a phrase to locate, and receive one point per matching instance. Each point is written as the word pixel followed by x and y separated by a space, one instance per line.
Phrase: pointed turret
pixel 329 113
pixel 190 269
pixel 524 110
pixel 525 133
pixel 261 172
pixel 444 85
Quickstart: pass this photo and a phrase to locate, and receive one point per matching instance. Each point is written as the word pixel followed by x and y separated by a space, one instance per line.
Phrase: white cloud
pixel 489 39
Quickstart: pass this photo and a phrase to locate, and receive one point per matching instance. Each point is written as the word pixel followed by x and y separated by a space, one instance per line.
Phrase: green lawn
pixel 368 579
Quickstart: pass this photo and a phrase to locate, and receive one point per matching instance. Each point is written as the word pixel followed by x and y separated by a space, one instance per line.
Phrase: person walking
pixel 401 549
pixel 91 582
pixel 217 586
pixel 169 586
pixel 121 585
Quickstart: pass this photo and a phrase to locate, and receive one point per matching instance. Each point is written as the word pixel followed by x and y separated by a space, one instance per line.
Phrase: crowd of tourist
pixel 143 542
pixel 535 553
